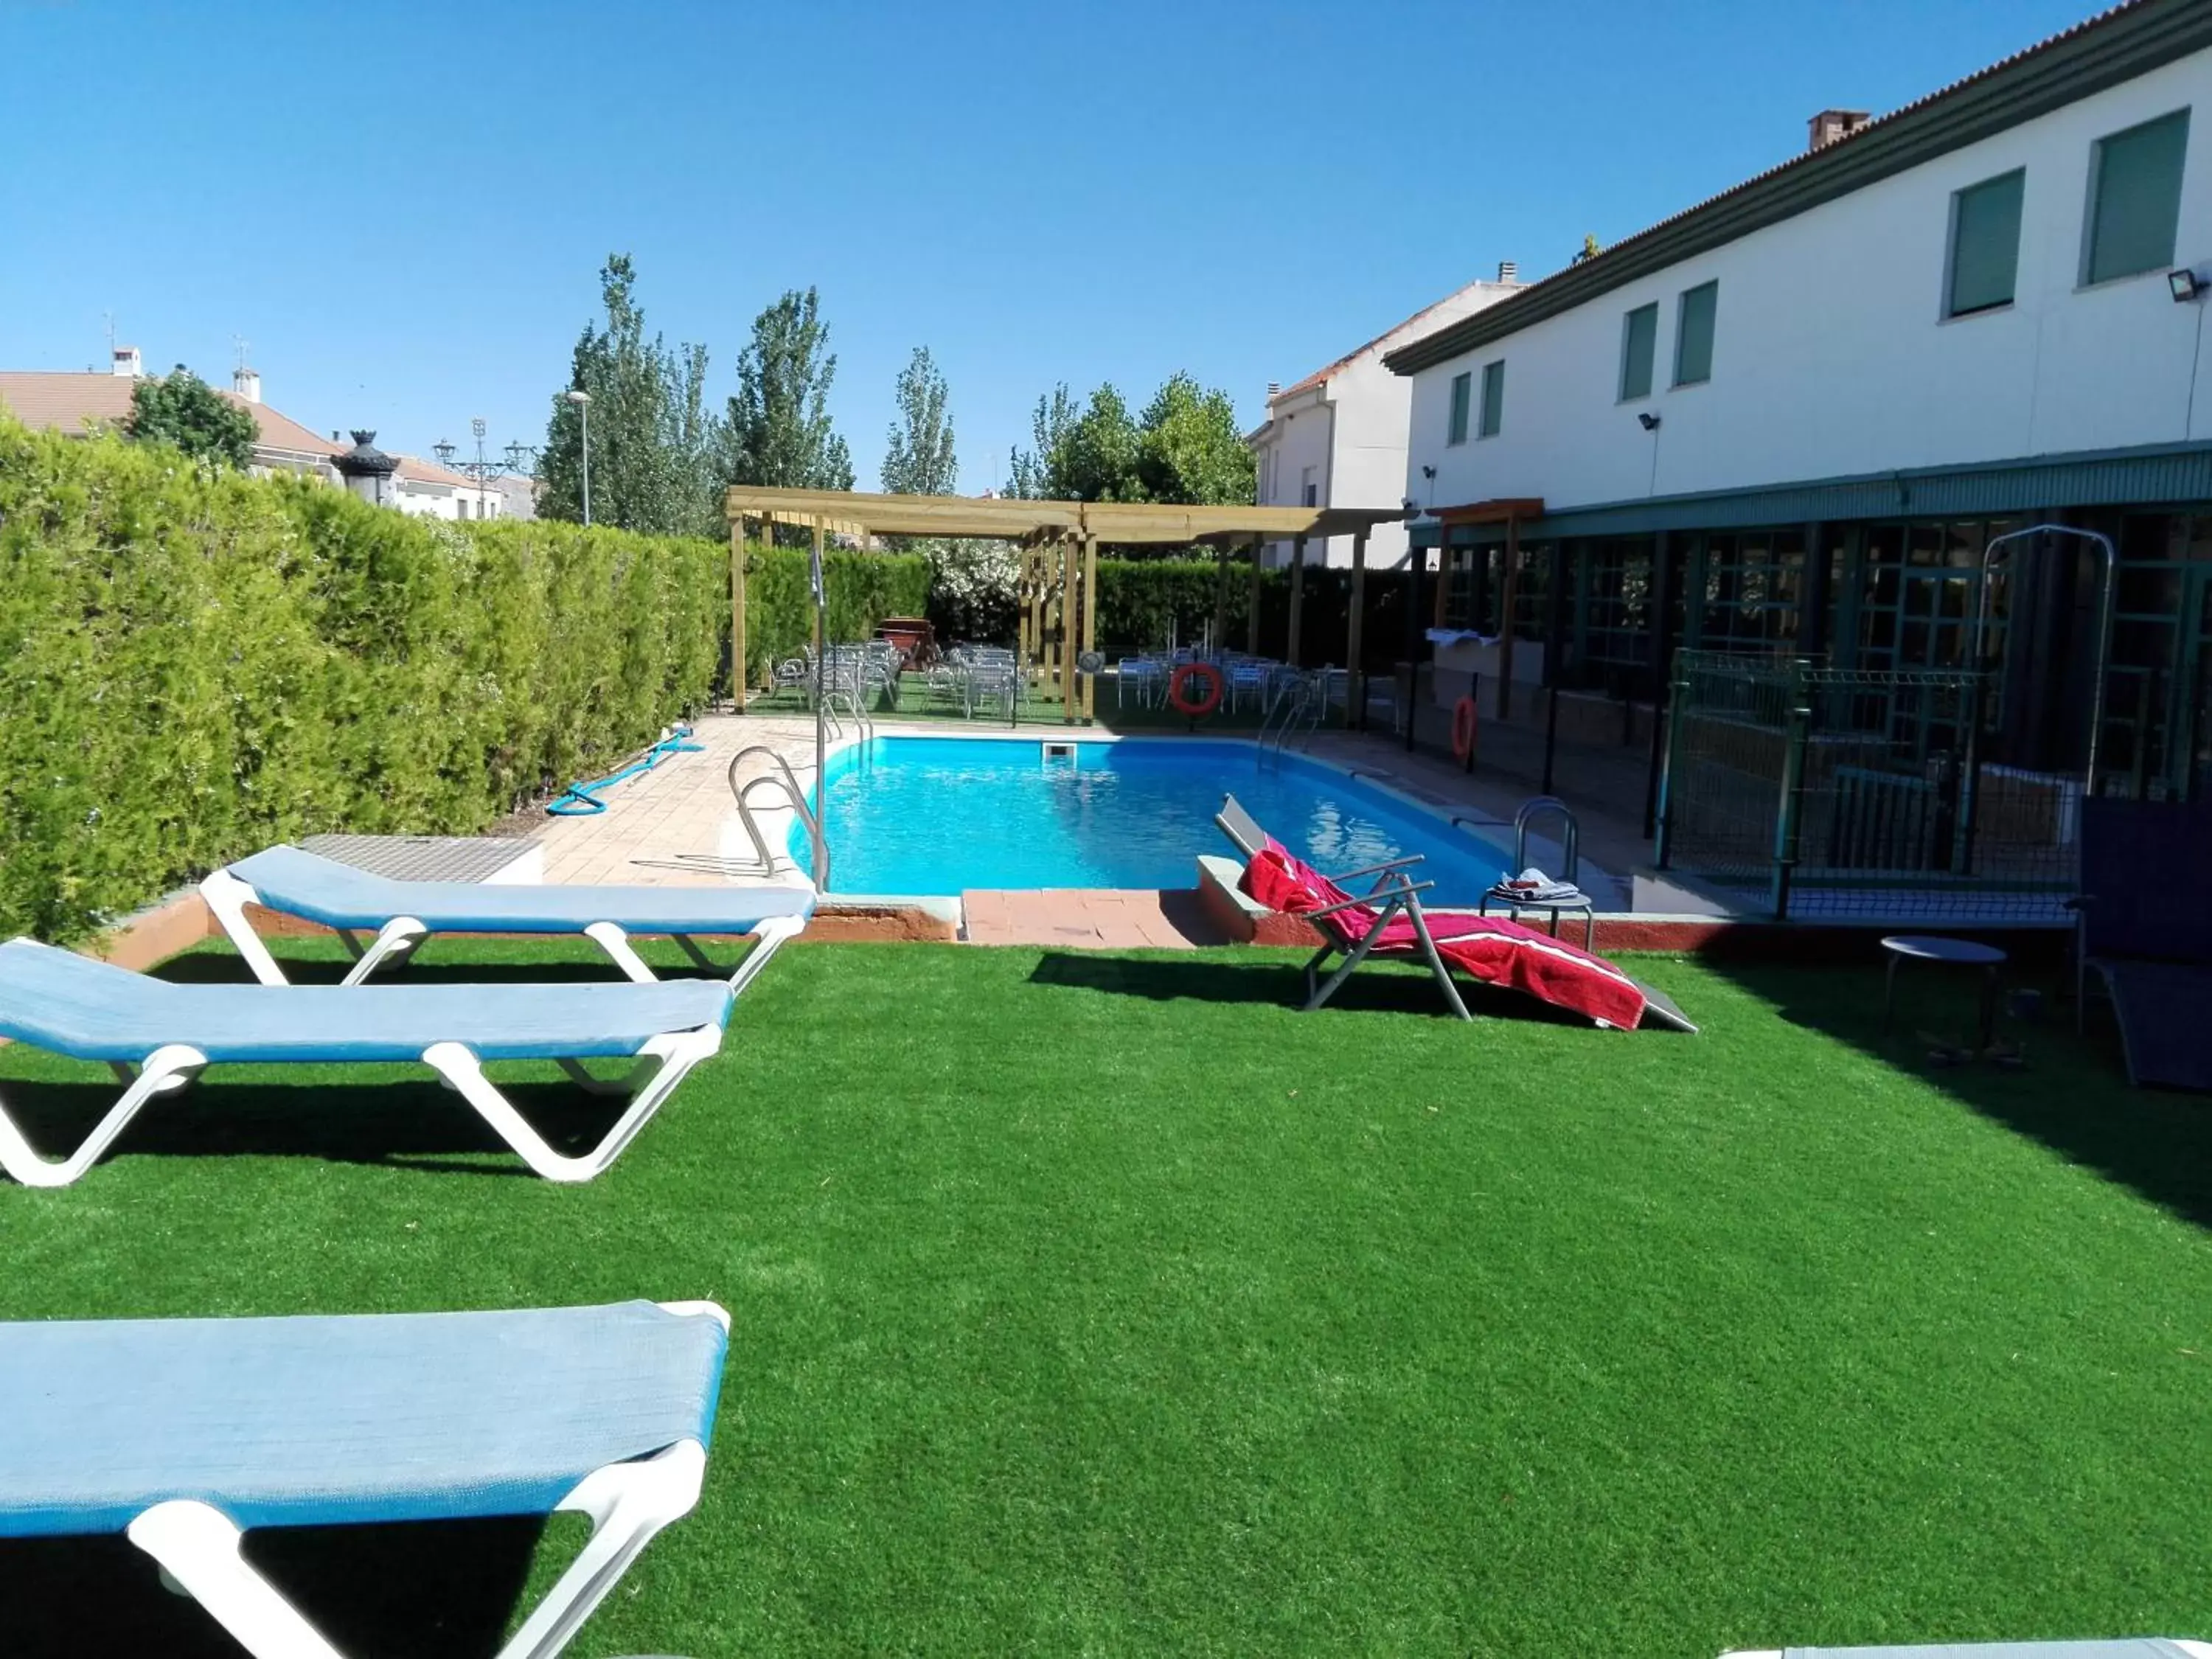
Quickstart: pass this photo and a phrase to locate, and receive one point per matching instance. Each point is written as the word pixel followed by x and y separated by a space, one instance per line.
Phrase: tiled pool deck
pixel 681 810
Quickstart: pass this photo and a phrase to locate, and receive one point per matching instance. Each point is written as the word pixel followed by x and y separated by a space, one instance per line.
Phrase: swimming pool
pixel 937 816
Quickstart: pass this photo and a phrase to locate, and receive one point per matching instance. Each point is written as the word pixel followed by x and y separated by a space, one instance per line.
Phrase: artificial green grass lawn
pixel 1104 1304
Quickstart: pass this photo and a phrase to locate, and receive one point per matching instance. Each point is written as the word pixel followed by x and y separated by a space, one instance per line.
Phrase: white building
pixel 1338 437
pixel 1789 418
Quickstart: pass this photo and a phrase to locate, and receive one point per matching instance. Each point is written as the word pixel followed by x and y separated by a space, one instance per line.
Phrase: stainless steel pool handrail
pixel 1570 840
pixel 788 782
pixel 1292 698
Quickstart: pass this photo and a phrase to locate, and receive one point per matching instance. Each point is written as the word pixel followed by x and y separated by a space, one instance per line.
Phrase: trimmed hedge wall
pixel 861 588
pixel 194 664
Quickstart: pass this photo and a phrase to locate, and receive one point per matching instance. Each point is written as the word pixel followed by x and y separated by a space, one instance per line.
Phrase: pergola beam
pixel 860 513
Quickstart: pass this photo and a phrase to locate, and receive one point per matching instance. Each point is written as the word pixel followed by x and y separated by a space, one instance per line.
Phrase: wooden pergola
pixel 1058 543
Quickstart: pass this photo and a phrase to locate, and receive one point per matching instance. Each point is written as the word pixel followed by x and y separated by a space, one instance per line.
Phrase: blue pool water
pixel 941 815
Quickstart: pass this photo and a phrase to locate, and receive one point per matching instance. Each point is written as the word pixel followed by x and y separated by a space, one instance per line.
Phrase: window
pixel 1693 334
pixel 1639 346
pixel 465 507
pixel 1984 244
pixel 1455 432
pixel 2134 199
pixel 1493 399
pixel 1308 491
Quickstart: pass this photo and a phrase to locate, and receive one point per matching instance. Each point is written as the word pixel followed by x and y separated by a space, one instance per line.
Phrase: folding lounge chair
pixel 2145 1647
pixel 1389 921
pixel 403 914
pixel 2145 931
pixel 158 1037
pixel 183 1434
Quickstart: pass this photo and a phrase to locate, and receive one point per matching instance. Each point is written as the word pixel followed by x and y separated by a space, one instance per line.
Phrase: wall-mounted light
pixel 1429 473
pixel 1648 421
pixel 2184 286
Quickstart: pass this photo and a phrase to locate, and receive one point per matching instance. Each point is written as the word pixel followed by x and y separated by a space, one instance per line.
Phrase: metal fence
pixel 1817 792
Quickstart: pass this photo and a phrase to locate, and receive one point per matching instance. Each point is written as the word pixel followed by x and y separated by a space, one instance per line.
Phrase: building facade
pixel 1338 437
pixel 1791 420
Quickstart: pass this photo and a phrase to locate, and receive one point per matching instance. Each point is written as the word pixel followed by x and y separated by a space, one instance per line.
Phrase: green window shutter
pixel 1639 346
pixel 1984 244
pixel 1493 397
pixel 1457 433
pixel 2136 198
pixel 1693 334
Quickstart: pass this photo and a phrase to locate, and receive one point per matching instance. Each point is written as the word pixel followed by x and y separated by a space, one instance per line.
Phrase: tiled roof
pixel 283 432
pixel 414 468
pixel 70 401
pixel 1357 352
pixel 74 401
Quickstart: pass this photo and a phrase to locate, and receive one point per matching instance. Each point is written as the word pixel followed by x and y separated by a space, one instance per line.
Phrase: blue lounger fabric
pixel 73 1006
pixel 2145 1647
pixel 319 1421
pixel 300 883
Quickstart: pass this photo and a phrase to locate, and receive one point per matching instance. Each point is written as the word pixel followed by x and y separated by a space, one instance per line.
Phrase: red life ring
pixel 1462 729
pixel 1179 692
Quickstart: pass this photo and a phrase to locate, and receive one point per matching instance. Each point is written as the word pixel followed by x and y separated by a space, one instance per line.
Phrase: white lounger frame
pixel 197 1547
pixel 658 1066
pixel 228 896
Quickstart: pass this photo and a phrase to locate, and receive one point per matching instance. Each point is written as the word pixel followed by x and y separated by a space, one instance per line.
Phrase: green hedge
pixel 862 589
pixel 194 664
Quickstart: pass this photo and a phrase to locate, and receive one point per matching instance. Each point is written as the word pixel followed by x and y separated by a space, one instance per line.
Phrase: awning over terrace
pixel 1059 544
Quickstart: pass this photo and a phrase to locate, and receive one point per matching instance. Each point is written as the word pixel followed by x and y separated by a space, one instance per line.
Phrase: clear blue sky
pixel 407 221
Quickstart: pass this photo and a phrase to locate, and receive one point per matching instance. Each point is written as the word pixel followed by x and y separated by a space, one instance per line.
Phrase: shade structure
pixel 1059 540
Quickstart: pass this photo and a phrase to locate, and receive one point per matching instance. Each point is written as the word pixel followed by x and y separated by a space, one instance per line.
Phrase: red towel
pixel 1489 949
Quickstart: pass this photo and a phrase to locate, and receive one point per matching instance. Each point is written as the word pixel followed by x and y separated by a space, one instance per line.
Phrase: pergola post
pixel 1297 598
pixel 738 613
pixel 1446 554
pixel 1506 616
pixel 1021 599
pixel 1070 620
pixel 1251 606
pixel 1355 693
pixel 1221 596
pixel 1090 624
pixel 1417 564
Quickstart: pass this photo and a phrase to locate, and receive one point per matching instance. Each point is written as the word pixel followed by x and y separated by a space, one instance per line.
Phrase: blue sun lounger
pixel 158 1037
pixel 183 1434
pixel 403 914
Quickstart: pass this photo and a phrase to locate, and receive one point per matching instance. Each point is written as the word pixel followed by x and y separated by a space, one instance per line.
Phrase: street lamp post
pixel 484 469
pixel 583 402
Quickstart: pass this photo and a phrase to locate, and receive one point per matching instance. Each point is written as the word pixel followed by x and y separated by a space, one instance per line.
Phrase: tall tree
pixel 655 442
pixel 919 458
pixel 1029 471
pixel 182 411
pixel 779 432
pixel 1191 450
pixel 1185 448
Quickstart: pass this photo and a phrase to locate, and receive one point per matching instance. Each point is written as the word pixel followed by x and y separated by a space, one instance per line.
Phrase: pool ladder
pixel 1304 705
pixel 783 778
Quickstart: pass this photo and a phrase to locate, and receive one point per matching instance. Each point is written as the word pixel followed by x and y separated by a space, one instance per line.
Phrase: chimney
pixel 1508 271
pixel 127 365
pixel 1830 124
pixel 1273 387
pixel 246 383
